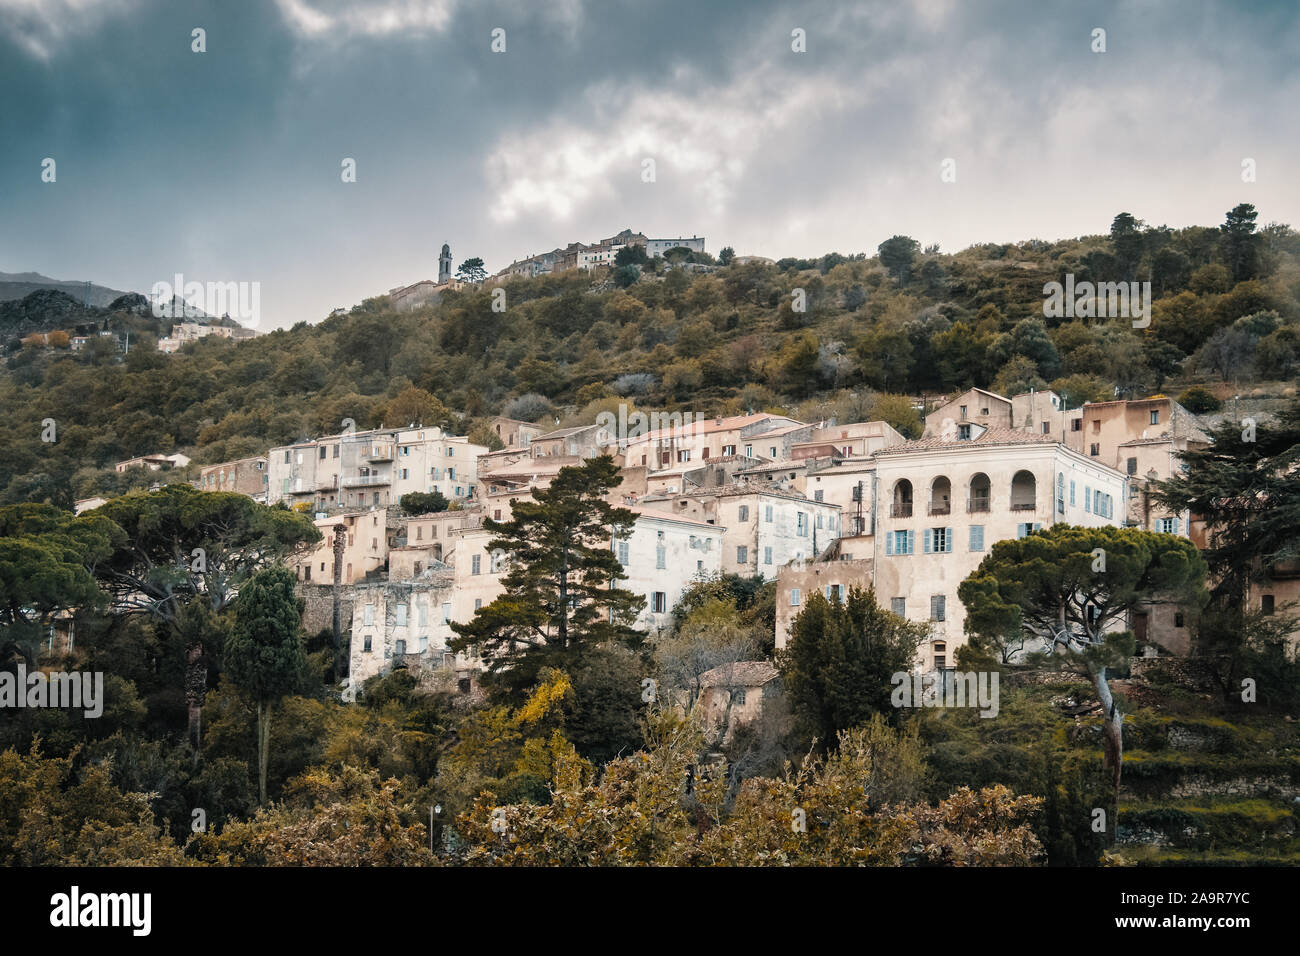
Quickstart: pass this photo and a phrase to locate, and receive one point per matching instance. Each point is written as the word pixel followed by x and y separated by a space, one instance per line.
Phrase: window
pixel 818 495
pixel 1155 416
pixel 1094 450
pixel 963 433
pixel 401 615
pixel 1178 619
pixel 977 537
pixel 900 542
pixel 1047 428
pixel 938 606
pixel 660 602
pixel 1087 499
pixel 767 555
pixel 742 554
pixel 367 644
pixel 744 512
pixel 661 557
pixel 834 592
pixel 1076 424
pixel 767 513
pixel 1023 530
pixel 1060 493
pixel 801 525
pixel 749 451
pixel 984 411
pixel 898 606
pixel 728 450
pixel 738 697
pixel 1132 464
pixel 478 603
pixel 773 451
pixel 399 648
pixel 446 614
pixel 795 597
pixel 335 453
pixel 1266 605
pixel 1167 525
pixel 1071 494
pixel 322 452
pixel 424 615
pixel 938 540
pixel 476 564
pixel 963 411
pixel 622 553
pixel 286 456
pixel 370 614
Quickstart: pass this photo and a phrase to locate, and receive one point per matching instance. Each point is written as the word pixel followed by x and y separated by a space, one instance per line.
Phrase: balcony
pixel 901 510
pixel 378 453
pixel 1023 506
pixel 977 505
pixel 366 481
pixel 940 508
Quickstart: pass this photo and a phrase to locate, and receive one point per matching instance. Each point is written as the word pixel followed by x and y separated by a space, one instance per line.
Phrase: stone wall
pixel 318 614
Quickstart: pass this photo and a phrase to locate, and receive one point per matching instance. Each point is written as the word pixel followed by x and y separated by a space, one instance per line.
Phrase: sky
pixel 227 165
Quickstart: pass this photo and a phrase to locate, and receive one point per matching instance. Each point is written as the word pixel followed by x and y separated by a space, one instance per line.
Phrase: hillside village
pixel 812 506
pixel 854 461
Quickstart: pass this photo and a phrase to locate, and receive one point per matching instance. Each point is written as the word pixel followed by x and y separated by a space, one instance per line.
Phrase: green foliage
pixel 1199 400
pixel 561 596
pixel 840 659
pixel 419 503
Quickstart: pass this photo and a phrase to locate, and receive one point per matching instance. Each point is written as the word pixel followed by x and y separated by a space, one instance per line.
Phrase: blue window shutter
pixel 911 542
pixel 1177 526
pixel 947 541
pixel 929 541
pixel 1038 526
pixel 889 543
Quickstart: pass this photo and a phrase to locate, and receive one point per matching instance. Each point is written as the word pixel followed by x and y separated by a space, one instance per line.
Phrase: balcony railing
pixel 903 510
pixel 1023 506
pixel 940 508
pixel 378 453
pixel 364 481
pixel 977 505
pixel 327 482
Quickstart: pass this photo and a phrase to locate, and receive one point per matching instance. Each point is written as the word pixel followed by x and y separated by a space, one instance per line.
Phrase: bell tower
pixel 444 265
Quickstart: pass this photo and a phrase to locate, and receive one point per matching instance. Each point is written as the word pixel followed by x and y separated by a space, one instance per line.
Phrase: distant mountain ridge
pixel 17 285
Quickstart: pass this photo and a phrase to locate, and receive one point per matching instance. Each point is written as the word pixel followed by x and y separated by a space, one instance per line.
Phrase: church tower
pixel 444 265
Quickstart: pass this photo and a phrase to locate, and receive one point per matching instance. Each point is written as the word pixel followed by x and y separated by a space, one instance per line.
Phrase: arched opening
pixel 941 496
pixel 978 500
pixel 437 552
pixel 1024 491
pixel 902 503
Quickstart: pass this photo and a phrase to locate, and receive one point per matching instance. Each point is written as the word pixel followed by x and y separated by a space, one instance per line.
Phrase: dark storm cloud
pixel 225 165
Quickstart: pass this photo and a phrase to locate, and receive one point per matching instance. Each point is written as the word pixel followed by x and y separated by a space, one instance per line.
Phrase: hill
pixel 873 333
pixel 16 285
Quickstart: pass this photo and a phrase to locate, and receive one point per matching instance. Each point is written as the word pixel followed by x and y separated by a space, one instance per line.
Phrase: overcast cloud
pixel 225 165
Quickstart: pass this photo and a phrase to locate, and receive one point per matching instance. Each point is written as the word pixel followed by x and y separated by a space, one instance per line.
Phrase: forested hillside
pixel 904 322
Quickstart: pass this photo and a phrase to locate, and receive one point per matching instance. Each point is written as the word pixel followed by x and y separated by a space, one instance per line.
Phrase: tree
pixel 263 654
pixel 897 255
pixel 419 503
pixel 1243 486
pixel 1071 587
pixel 1127 241
pixel 471 270
pixel 633 255
pixel 1199 400
pixel 183 545
pixel 418 407
pixel 840 658
pixel 725 255
pixel 1240 243
pixel 1229 352
pixel 561 595
pixel 626 276
pixel 47 563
